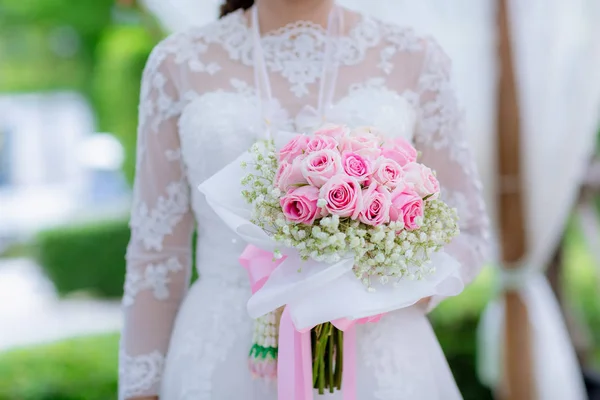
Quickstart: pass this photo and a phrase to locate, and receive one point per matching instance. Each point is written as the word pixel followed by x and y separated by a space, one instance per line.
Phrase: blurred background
pixel 69 82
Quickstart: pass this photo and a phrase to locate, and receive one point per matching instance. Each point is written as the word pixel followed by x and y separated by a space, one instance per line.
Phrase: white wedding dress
pixel 199 110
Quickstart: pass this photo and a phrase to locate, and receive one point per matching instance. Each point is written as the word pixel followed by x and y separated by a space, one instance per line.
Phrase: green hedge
pixel 86 257
pixel 76 369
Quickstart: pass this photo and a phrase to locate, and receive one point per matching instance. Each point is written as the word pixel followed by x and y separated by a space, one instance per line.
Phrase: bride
pixel 207 94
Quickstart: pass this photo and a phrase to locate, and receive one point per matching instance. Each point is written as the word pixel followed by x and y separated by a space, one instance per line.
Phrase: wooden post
pixel 517 383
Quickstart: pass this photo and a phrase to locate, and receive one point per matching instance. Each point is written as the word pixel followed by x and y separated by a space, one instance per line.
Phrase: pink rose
pixel 356 143
pixel 331 130
pixel 400 150
pixel 293 148
pixel 300 205
pixel 289 175
pixel 388 173
pixel 343 196
pixel 407 206
pixel 356 166
pixel 317 143
pixel 319 166
pixel 422 180
pixel 376 205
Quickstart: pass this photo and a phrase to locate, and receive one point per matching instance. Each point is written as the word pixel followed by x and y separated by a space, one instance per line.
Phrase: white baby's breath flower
pixel 280 222
pixel 321 203
pixel 378 236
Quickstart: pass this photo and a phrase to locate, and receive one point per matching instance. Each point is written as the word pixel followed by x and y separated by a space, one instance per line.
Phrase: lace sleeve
pixel 159 253
pixel 442 142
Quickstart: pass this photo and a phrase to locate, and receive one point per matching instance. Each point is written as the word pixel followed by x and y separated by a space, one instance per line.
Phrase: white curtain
pixel 558 62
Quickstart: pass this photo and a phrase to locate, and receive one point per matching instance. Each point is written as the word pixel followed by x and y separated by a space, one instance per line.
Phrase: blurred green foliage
pixel 581 280
pixel 121 58
pixel 90 46
pixel 88 257
pixel 50 44
pixel 76 369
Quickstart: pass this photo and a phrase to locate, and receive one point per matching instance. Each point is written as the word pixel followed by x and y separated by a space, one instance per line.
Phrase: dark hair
pixel 230 6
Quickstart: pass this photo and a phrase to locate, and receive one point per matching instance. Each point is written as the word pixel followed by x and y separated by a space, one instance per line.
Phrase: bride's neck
pixel 274 14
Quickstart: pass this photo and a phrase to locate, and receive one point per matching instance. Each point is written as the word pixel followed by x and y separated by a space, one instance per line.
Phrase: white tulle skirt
pixel 397 358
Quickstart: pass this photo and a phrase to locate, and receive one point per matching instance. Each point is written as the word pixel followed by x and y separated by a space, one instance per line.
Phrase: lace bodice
pixel 199 111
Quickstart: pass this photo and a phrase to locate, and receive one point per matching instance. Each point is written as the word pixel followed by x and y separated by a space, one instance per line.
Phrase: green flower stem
pixel 321 377
pixel 322 334
pixel 316 359
pixel 339 359
pixel 327 344
pixel 329 358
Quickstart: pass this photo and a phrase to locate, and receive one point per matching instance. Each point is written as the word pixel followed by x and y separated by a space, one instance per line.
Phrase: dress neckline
pixel 329 67
pixel 296 28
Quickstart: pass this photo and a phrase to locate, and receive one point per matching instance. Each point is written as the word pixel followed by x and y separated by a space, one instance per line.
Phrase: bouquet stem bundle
pixel 328 357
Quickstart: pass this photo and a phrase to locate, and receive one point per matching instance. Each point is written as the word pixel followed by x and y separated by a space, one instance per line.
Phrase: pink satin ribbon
pixel 259 264
pixel 294 360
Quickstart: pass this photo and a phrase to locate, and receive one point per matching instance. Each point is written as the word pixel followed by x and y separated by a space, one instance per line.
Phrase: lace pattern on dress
pixel 295 51
pixel 154 277
pixel 442 127
pixel 152 225
pixel 144 372
pixel 442 120
pixel 157 98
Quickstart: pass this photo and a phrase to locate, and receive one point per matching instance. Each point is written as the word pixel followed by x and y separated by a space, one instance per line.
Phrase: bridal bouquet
pixel 344 226
pixel 341 192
